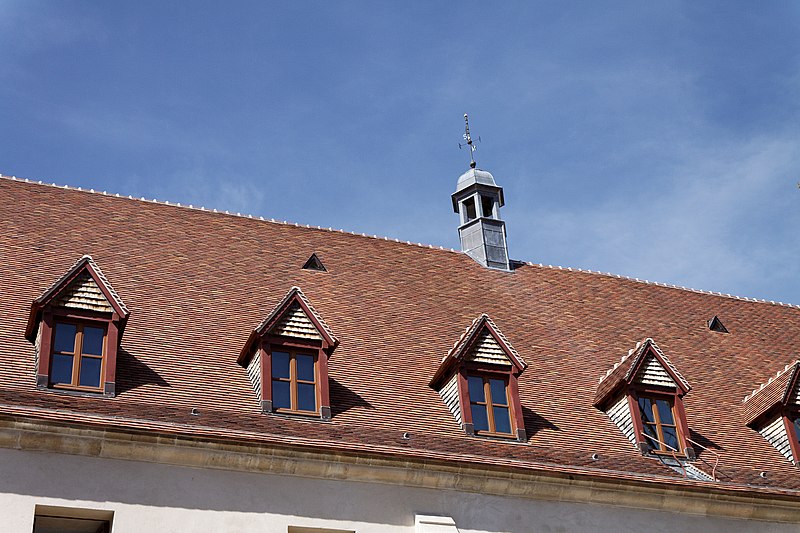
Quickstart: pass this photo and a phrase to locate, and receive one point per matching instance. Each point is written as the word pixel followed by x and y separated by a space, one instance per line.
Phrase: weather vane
pixel 470 145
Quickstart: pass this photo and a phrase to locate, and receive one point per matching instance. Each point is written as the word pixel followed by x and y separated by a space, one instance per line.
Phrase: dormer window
pixel 658 423
pixel 286 358
pixel 478 381
pixel 489 405
pixel 294 381
pixel 77 360
pixel 76 326
pixel 773 410
pixel 643 396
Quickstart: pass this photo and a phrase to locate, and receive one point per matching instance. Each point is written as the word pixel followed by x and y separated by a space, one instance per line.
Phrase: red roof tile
pixel 197 281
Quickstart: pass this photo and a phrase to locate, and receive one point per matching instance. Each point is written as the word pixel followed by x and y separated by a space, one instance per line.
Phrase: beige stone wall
pixel 149 497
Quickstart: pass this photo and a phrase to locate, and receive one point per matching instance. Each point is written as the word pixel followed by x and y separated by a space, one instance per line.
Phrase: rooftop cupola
pixel 478 200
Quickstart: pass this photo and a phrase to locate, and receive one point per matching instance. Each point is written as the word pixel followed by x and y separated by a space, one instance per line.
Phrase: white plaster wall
pixel 147 498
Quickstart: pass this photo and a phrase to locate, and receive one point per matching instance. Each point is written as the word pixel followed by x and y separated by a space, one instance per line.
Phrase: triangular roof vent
pixel 314 263
pixel 715 324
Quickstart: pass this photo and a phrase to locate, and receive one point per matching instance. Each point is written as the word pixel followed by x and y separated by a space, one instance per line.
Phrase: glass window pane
pixel 65 338
pixel 797 427
pixel 502 422
pixel 306 397
pixel 61 369
pixel 650 431
pixel 479 418
pixel 498 388
pixel 280 365
pixel 646 408
pixel 664 412
pixel 90 371
pixel 93 341
pixel 280 395
pixel 671 438
pixel 476 393
pixel 305 367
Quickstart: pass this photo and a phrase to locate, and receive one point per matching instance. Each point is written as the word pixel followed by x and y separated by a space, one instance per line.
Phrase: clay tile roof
pixel 770 394
pixel 198 281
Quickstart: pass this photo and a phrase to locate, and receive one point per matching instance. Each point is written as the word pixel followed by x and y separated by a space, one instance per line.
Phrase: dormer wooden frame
pixel 44 315
pixel 633 391
pixel 455 364
pixel 263 342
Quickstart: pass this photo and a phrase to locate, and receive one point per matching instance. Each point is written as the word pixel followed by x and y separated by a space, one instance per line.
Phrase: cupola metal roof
pixel 475 176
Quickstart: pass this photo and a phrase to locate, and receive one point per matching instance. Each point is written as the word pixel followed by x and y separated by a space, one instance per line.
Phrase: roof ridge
pixel 229 213
pixel 761 387
pixel 389 239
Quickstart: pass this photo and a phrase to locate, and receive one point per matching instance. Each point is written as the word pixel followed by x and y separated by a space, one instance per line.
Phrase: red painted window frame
pixel 294 344
pixel 109 321
pixel 678 412
pixel 511 377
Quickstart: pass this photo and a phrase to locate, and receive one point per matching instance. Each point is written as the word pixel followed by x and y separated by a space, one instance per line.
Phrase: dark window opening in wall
pixel 469 209
pixel 294 382
pixel 48 519
pixel 487 206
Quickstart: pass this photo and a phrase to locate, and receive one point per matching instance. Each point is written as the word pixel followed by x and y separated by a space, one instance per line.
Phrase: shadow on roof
pixel 343 399
pixel 132 373
pixel 535 422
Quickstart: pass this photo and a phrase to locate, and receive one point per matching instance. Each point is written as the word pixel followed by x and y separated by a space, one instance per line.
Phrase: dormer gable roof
pixel 644 364
pixel 482 342
pixel 782 389
pixel 292 316
pixel 83 286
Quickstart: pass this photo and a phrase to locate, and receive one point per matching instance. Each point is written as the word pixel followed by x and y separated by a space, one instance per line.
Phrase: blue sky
pixel 658 140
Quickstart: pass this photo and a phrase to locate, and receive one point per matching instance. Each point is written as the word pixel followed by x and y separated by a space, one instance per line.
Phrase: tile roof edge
pixel 762 386
pixel 227 213
pixel 389 239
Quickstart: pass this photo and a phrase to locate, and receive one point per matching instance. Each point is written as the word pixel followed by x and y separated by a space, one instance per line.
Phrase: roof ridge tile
pixel 432 247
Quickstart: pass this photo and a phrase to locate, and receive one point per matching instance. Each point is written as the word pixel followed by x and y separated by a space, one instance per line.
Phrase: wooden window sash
pixel 77 356
pixel 659 426
pixel 490 404
pixel 293 381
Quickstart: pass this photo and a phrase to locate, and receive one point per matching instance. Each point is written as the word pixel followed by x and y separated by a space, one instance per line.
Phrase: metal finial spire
pixel 470 145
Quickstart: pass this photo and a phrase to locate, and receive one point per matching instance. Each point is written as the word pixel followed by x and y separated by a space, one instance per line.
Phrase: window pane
pixel 797 428
pixel 476 393
pixel 61 370
pixel 306 397
pixel 90 371
pixel 502 423
pixel 280 395
pixel 646 408
pixel 93 341
pixel 479 419
pixel 498 388
pixel 305 367
pixel 671 438
pixel 664 412
pixel 65 338
pixel 650 431
pixel 280 365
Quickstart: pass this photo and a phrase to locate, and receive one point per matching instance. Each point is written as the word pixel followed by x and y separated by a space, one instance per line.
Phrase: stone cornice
pixel 55 437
